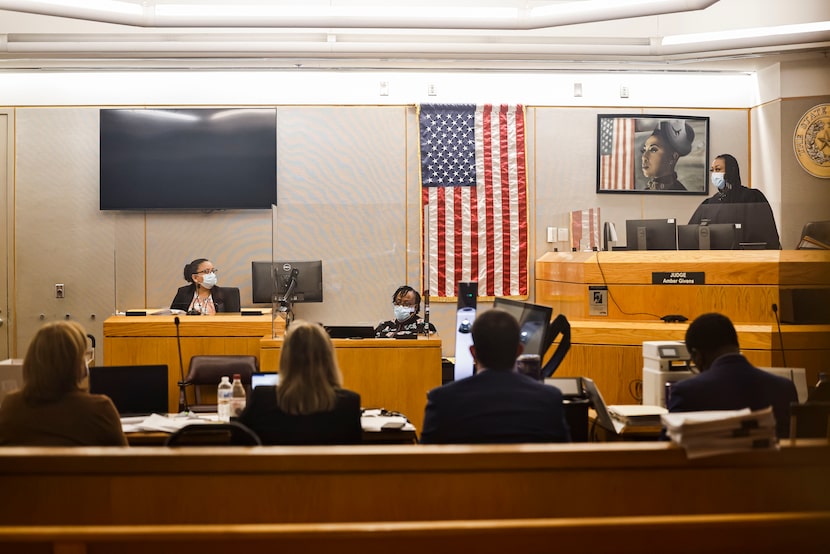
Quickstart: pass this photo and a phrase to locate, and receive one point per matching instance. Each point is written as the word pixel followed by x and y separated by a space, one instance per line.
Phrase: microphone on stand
pixel 285 301
pixel 183 406
pixel 426 313
pixel 780 336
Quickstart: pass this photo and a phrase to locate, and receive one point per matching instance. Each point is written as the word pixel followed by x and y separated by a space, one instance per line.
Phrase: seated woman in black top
pixel 309 406
pixel 202 296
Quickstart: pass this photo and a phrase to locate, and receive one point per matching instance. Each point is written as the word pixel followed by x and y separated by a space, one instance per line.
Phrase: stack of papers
pixel 717 432
pixel 164 423
pixel 637 415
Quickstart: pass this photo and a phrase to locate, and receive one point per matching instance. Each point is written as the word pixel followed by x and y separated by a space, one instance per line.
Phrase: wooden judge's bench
pixel 614 302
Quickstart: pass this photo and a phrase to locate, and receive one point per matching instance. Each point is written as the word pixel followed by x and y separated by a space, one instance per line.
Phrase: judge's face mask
pixel 718 180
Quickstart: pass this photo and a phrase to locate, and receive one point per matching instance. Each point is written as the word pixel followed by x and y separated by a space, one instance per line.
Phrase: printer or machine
pixel 663 362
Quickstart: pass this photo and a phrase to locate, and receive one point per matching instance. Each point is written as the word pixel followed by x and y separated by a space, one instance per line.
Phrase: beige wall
pixel 348 194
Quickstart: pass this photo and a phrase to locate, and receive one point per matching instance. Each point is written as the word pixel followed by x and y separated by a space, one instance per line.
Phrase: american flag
pixel 585 229
pixel 474 193
pixel 616 153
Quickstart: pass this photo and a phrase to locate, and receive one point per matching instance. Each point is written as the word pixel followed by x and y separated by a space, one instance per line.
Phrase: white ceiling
pixel 576 35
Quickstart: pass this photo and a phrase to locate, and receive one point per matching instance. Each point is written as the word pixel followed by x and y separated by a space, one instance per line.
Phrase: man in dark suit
pixel 727 380
pixel 497 404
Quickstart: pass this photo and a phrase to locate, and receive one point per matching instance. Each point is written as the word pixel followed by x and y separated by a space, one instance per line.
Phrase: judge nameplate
pixel 678 278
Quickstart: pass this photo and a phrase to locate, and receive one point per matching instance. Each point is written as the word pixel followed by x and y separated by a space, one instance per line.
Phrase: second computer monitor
pixel 273 278
pixel 651 234
pixel 534 321
pixel 717 236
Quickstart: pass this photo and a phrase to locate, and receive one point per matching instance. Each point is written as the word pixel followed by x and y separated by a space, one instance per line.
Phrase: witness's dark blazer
pixel 339 426
pixel 495 406
pixel 732 383
pixel 226 299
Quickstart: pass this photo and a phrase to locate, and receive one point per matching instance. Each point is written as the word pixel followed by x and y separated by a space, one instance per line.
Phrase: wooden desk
pixel 740 284
pixel 147 340
pixel 387 373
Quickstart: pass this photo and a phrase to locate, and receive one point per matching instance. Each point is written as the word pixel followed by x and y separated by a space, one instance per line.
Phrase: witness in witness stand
pixel 670 141
pixel 202 296
pixel 727 381
pixel 54 407
pixel 406 307
pixel 310 405
pixel 735 203
pixel 497 404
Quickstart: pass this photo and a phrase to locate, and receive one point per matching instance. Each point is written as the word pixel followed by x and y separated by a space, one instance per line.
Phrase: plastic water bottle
pixel 237 396
pixel 223 399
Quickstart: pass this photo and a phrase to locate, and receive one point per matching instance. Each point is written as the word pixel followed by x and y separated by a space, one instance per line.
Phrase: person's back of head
pixel 496 340
pixel 709 336
pixel 54 362
pixel 309 375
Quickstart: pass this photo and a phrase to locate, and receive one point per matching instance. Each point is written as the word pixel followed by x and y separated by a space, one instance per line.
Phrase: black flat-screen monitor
pixel 534 321
pixel 718 236
pixel 188 159
pixel 134 389
pixel 270 278
pixel 651 234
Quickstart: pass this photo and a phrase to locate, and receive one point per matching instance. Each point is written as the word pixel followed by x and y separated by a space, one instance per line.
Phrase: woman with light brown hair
pixel 309 406
pixel 54 408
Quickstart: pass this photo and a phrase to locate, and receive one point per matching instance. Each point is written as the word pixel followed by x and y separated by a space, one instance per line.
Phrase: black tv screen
pixel 188 159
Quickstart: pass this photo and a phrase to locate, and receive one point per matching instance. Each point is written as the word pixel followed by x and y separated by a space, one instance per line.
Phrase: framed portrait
pixel 652 154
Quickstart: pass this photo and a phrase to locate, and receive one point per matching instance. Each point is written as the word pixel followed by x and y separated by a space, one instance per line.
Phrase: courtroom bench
pixel 388 483
pixel 715 534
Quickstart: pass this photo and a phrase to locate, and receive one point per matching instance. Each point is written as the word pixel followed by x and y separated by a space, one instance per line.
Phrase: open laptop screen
pixel 134 389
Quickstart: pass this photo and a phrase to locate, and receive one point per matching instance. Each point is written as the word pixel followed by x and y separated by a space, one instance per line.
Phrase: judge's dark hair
pixel 403 291
pixel 496 339
pixel 711 332
pixel 732 172
pixel 192 268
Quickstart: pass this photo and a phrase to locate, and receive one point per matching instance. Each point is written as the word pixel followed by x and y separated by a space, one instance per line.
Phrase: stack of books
pixel 717 432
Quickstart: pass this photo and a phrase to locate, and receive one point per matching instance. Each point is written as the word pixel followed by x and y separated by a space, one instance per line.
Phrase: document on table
pixel 164 423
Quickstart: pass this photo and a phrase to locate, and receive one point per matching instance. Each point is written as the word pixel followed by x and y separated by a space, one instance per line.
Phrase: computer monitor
pixel 534 321
pixel 717 236
pixel 270 278
pixel 651 234
pixel 134 389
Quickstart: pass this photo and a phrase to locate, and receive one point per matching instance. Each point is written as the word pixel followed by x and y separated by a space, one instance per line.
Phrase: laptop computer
pixel 604 418
pixel 136 390
pixel 264 379
pixel 350 331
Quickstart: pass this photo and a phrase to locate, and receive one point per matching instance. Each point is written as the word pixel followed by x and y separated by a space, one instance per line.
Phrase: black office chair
pixel 205 372
pixel 230 299
pixel 809 420
pixel 815 235
pixel 214 434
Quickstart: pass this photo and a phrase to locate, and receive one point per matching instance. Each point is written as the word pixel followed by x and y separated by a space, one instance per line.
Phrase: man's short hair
pixel 710 332
pixel 496 339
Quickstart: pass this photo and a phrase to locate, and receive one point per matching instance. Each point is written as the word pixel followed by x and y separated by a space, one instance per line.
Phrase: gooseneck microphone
pixel 426 313
pixel 183 406
pixel 780 336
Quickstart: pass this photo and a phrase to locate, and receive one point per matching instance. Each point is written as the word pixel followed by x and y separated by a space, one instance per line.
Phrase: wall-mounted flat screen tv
pixel 188 159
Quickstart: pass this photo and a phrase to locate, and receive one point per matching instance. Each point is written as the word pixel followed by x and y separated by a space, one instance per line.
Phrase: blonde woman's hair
pixel 54 364
pixel 309 376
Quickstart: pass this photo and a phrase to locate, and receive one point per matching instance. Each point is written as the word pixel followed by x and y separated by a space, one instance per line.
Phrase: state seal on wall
pixel 811 141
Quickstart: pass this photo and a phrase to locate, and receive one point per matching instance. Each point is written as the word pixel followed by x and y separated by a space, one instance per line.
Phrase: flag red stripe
pixel 522 190
pixel 487 137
